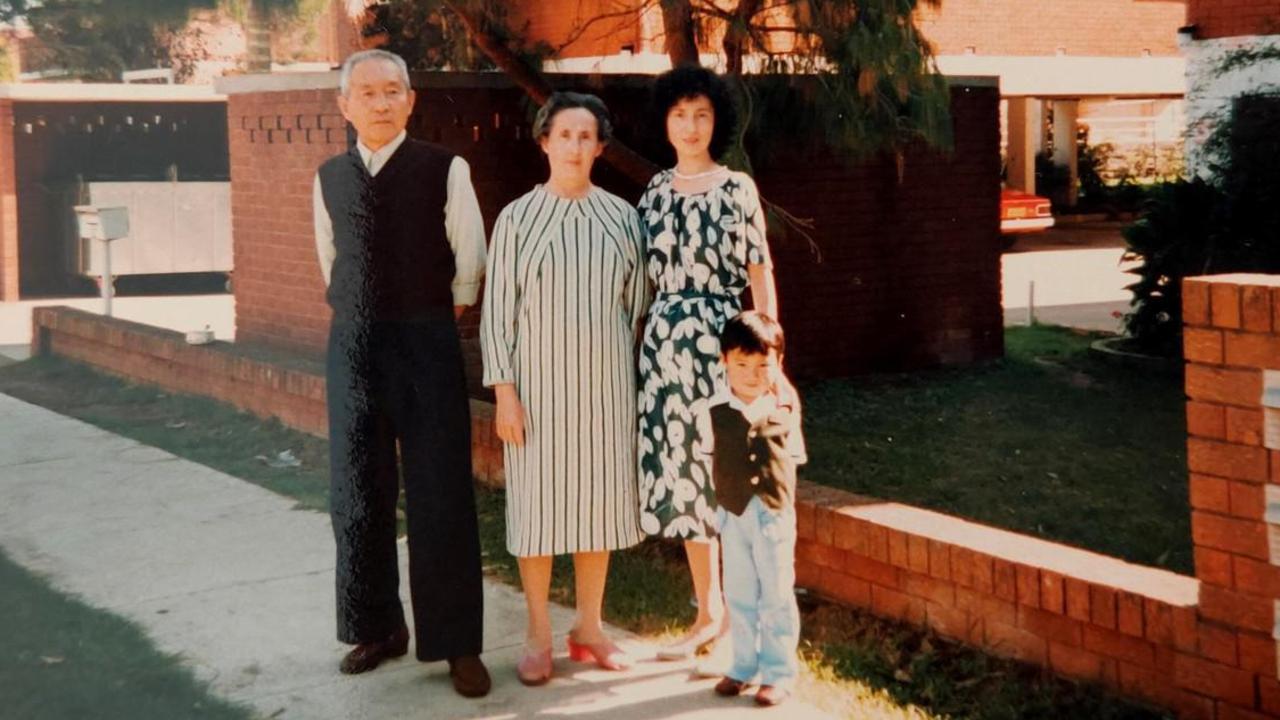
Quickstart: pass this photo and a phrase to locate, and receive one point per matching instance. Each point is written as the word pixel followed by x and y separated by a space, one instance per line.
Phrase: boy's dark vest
pixel 752 458
pixel 393 257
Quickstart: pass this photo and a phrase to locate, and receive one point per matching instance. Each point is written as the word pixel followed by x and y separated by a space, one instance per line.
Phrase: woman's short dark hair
pixel 567 101
pixel 690 81
pixel 753 333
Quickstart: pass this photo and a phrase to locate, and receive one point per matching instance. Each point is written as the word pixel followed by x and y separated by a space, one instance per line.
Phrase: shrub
pixel 1228 224
pixel 1174 238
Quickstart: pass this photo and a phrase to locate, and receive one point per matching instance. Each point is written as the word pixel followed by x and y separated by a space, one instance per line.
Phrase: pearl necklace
pixel 698 176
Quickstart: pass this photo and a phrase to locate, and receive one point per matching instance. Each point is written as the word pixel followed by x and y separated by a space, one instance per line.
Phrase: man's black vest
pixel 750 459
pixel 393 261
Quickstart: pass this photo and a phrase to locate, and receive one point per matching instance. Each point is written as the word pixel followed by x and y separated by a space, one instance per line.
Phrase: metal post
pixel 107 285
pixel 1031 303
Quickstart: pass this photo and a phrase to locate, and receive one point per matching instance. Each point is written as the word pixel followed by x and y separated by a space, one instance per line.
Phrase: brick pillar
pixel 1232 347
pixel 8 207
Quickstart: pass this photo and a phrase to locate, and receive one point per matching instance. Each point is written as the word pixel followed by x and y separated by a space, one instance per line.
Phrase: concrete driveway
pixel 1071 275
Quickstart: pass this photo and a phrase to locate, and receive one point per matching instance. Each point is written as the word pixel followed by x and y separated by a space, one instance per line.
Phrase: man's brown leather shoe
pixel 367 656
pixel 469 676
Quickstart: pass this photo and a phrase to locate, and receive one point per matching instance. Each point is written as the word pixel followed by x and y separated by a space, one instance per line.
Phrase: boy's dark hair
pixel 753 333
pixel 690 81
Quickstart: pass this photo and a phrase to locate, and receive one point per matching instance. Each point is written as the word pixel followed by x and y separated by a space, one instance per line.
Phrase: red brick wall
pixel 1230 18
pixel 1232 336
pixel 276 143
pixel 8 207
pixel 909 273
pixel 556 22
pixel 1121 28
pixel 993 27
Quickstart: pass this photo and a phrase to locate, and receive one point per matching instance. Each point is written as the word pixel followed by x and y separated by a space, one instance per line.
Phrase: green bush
pixel 1198 227
pixel 1091 161
pixel 1174 238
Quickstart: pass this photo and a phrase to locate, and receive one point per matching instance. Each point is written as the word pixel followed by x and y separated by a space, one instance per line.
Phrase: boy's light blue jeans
pixel 759 549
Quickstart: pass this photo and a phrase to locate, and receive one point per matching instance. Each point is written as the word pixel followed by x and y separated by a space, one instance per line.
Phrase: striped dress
pixel 565 293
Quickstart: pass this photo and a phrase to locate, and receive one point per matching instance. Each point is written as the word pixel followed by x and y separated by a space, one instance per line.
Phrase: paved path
pixel 239 583
pixel 174 312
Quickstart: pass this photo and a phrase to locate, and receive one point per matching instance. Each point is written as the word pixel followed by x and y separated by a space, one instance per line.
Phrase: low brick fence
pixel 261 381
pixel 1203 646
pixel 1078 613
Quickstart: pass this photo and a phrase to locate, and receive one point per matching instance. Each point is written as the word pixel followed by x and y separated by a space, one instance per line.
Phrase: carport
pixel 159 149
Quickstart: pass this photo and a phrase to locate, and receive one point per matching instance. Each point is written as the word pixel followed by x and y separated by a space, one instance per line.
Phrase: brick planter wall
pixel 1232 341
pixel 1082 615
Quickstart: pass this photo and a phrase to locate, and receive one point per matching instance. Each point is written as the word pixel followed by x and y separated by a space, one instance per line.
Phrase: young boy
pixel 752 434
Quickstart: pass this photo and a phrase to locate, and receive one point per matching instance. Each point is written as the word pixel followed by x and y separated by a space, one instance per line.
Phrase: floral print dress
pixel 699 247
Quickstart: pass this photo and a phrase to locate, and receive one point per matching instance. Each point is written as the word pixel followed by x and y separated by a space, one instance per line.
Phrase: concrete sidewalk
pixel 240 584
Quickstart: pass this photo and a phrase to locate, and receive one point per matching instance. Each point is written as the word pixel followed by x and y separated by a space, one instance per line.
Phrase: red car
pixel 1022 212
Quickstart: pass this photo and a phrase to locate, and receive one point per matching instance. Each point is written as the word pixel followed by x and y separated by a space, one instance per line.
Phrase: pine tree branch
pixel 578 31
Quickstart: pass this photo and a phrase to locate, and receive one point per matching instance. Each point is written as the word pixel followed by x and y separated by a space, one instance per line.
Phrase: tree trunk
pixel 738 35
pixel 258 32
pixel 677 23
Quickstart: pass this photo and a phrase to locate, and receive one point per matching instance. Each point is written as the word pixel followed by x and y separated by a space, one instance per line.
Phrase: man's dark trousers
pixel 402 382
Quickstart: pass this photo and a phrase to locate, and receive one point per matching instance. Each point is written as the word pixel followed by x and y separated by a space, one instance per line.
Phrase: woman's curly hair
pixel 691 81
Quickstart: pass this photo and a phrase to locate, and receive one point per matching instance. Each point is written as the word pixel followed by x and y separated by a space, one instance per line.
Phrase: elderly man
pixel 401 246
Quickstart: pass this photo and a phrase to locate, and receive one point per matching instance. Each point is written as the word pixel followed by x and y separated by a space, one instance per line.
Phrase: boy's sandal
pixel 728 687
pixel 770 695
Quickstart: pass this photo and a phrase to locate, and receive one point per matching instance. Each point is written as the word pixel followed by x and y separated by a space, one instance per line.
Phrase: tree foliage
pixel 858 72
pixel 877 86
pixel 99 39
pixel 7 71
pixel 96 40
pixel 431 36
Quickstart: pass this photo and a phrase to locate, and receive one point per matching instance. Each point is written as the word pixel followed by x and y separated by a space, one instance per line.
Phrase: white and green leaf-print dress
pixel 564 296
pixel 699 248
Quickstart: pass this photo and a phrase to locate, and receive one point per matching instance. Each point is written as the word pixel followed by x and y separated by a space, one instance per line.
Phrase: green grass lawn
pixel 1049 441
pixel 889 670
pixel 61 659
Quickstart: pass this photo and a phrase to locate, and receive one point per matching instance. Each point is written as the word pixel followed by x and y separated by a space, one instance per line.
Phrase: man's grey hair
pixel 567 101
pixel 349 65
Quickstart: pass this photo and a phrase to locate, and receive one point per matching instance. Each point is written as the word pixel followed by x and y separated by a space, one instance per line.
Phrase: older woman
pixel 565 295
pixel 706 235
